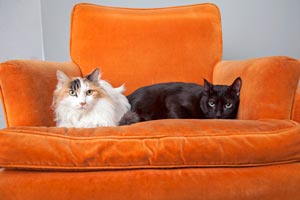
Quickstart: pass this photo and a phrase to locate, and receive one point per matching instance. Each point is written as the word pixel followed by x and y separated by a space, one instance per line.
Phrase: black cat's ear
pixel 207 86
pixel 236 86
pixel 94 76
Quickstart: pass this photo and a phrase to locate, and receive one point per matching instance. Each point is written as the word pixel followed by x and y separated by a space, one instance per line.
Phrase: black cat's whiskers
pixel 183 101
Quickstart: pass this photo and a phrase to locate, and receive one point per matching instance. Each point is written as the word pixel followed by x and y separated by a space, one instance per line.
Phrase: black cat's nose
pixel 218 115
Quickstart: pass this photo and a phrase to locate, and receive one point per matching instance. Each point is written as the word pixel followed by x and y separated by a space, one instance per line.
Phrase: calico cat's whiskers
pixel 88 101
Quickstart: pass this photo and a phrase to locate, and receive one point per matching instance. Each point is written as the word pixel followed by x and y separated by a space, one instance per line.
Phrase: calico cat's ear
pixel 62 77
pixel 94 76
pixel 207 86
pixel 236 86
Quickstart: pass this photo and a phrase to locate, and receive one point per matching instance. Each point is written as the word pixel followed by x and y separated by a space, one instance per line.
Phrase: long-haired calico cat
pixel 87 102
pixel 183 100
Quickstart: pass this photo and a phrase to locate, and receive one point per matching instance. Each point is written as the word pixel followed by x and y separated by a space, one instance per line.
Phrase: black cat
pixel 177 100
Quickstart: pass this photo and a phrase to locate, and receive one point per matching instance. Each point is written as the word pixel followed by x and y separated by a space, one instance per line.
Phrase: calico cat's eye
pixel 72 93
pixel 211 103
pixel 228 105
pixel 89 92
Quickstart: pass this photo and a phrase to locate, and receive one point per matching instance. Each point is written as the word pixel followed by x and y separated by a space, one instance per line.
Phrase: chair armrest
pixel 268 88
pixel 296 108
pixel 26 89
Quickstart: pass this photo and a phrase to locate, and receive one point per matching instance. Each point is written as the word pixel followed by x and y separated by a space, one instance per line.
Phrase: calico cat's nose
pixel 82 103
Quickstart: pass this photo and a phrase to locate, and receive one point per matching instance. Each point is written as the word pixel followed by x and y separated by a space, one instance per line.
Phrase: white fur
pixel 106 111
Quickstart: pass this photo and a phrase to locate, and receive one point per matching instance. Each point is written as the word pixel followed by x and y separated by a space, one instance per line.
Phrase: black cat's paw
pixel 129 118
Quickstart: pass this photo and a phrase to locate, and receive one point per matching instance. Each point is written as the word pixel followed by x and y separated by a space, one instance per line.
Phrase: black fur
pixel 179 100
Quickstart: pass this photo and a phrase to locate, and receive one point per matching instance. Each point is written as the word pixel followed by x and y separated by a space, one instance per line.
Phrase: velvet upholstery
pixel 269 85
pixel 27 87
pixel 274 182
pixel 156 144
pixel 296 107
pixel 178 44
pixel 256 156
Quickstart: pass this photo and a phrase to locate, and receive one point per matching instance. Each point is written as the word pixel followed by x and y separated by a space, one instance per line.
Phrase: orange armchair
pixel 256 156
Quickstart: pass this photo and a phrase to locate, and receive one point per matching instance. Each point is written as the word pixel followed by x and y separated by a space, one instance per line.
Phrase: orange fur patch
pixel 98 92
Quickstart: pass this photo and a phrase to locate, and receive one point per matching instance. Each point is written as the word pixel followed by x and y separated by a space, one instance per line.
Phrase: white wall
pixel 38 29
pixel 20 30
pixel 260 28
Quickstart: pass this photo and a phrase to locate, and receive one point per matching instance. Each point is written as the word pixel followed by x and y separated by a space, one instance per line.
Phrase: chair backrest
pixel 145 46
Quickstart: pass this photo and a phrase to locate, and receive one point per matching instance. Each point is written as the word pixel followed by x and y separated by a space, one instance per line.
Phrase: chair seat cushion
pixel 153 144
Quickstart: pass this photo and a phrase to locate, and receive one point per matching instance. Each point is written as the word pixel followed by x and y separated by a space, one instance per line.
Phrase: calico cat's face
pixel 78 93
pixel 220 101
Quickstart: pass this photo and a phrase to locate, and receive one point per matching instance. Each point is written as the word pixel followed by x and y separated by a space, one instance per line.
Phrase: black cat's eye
pixel 89 92
pixel 211 103
pixel 72 92
pixel 228 105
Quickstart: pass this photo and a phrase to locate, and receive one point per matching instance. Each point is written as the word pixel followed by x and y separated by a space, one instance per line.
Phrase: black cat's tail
pixel 129 118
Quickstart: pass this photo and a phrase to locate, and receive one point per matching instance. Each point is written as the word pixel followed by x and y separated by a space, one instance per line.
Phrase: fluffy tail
pixel 129 118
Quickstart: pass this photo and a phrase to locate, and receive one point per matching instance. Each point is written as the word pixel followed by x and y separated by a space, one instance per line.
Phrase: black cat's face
pixel 220 101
